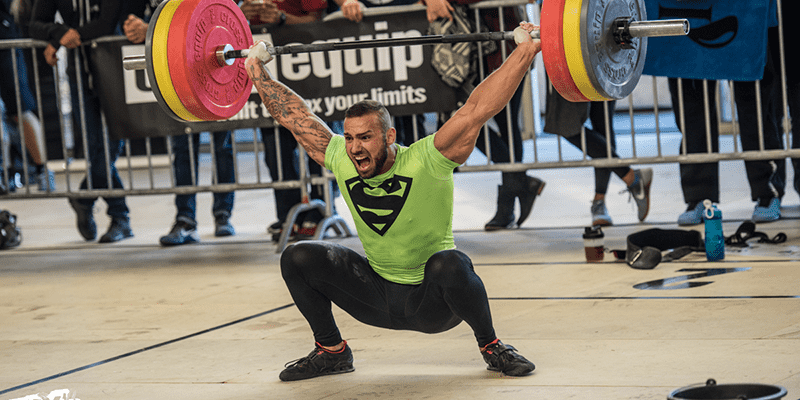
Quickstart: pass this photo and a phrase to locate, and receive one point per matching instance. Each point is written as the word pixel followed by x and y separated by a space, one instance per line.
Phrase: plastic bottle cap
pixel 592 232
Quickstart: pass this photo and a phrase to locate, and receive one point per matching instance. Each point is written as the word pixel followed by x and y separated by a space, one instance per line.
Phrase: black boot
pixel 532 188
pixel 86 224
pixel 524 187
pixel 504 218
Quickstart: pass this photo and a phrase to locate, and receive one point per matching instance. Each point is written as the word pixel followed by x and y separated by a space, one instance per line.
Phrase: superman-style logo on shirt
pixel 379 206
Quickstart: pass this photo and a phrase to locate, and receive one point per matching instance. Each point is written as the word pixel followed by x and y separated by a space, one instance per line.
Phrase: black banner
pixel 402 77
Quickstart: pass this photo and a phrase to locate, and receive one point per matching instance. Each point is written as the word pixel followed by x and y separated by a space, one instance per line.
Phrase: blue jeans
pixel 8 30
pixel 187 203
pixel 8 91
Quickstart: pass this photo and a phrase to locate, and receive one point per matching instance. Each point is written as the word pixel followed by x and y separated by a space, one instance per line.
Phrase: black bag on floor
pixel 10 235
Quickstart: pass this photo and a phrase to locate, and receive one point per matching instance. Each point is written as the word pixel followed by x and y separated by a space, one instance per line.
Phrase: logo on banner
pixel 334 64
pixel 714 35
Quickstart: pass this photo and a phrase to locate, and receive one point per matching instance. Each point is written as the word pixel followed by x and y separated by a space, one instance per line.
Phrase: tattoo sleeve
pixel 292 112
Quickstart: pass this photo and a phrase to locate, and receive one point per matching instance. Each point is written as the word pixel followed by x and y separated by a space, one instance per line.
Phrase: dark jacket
pixel 103 18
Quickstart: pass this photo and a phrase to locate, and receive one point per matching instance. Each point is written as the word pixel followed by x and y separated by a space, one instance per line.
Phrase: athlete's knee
pixel 449 265
pixel 297 256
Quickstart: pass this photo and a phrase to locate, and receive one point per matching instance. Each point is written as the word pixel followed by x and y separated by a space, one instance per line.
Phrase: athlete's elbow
pixel 480 111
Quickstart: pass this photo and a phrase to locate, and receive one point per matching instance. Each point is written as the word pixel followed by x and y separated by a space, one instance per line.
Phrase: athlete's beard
pixel 380 160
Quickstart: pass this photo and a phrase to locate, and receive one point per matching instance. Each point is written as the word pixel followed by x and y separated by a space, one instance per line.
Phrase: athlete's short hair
pixel 365 107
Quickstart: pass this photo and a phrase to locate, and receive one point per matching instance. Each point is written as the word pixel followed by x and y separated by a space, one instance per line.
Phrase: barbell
pixel 593 50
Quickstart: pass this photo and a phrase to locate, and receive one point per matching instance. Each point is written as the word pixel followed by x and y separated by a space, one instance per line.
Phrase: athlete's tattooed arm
pixel 287 107
pixel 456 138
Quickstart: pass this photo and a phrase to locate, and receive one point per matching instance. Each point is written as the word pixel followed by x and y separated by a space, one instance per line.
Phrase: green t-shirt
pixel 403 216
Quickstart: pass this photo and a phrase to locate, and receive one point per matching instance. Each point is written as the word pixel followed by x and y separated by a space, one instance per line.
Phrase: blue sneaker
pixel 600 216
pixel 767 211
pixel 183 232
pixel 692 216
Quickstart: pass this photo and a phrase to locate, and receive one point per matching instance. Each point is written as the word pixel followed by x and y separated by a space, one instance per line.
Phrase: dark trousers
pixel 793 87
pixel 698 181
pixel 186 204
pixel 404 125
pixel 8 30
pixel 8 92
pixel 792 30
pixel 767 178
pixel 596 144
pixel 117 208
pixel 567 119
pixel 498 141
pixel 8 89
pixel 285 199
pixel 320 273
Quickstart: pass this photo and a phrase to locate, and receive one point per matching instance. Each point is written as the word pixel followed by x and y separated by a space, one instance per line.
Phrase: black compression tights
pixel 318 273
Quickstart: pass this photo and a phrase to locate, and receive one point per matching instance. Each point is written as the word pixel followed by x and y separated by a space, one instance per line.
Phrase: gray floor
pixel 133 320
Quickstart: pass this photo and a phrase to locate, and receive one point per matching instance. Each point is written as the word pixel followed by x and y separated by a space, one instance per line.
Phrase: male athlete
pixel 401 198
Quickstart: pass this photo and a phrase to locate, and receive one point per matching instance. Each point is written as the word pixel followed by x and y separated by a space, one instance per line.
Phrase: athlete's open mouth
pixel 363 162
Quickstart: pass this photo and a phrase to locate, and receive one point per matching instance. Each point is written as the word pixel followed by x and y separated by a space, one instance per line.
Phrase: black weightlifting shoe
pixel 318 363
pixel 86 224
pixel 503 358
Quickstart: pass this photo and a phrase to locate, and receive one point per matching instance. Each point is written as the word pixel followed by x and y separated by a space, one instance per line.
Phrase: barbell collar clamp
pixel 222 54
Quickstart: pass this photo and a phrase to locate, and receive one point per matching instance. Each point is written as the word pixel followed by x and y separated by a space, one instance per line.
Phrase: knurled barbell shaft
pixel 675 27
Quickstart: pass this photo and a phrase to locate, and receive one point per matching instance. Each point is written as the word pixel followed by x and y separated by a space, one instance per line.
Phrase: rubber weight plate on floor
pixel 555 62
pixel 208 90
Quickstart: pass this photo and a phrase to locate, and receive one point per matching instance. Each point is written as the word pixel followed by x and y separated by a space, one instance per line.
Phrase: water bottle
pixel 715 240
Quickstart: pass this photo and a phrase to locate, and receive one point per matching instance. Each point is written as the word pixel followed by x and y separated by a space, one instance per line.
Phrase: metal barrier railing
pixel 544 153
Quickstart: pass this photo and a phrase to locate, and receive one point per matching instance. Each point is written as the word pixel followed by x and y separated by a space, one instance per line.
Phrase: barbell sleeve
pixel 134 62
pixel 658 28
